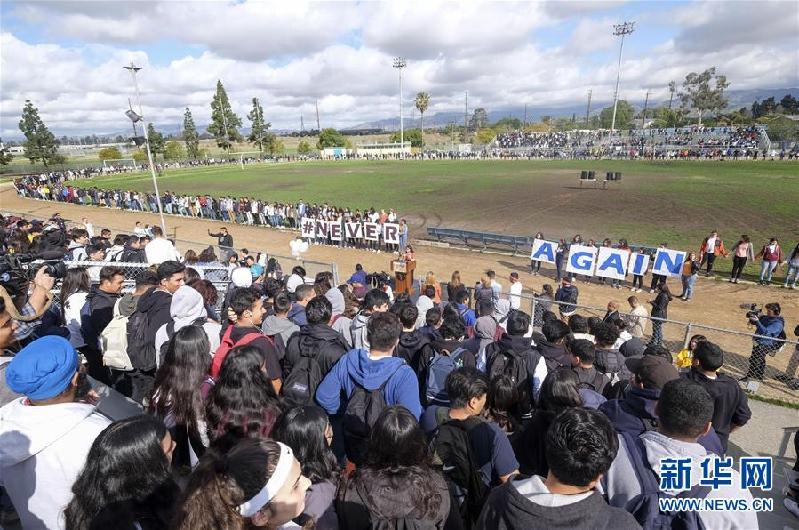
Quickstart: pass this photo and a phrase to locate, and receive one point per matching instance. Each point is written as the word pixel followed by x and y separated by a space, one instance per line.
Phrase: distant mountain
pixel 737 99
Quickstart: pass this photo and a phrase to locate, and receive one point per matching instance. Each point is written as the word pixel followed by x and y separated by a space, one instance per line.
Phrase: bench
pixel 485 239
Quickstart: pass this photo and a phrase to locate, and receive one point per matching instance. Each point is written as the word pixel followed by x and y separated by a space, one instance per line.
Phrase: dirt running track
pixel 716 303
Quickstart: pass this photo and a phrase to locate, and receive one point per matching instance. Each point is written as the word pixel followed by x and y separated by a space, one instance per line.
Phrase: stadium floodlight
pixel 135 118
pixel 619 30
pixel 399 64
pixel 133 69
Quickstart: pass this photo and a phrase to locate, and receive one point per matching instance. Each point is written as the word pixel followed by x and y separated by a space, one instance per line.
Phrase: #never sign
pixel 391 233
pixel 371 231
pixel 353 230
pixel 308 227
pixel 611 263
pixel 581 260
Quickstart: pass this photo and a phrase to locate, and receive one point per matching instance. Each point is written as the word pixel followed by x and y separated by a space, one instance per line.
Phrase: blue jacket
pixel 356 367
pixel 297 315
pixel 628 415
pixel 358 277
pixel 770 327
pixel 467 315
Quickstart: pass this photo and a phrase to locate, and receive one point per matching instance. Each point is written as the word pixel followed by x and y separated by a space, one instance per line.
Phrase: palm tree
pixel 422 102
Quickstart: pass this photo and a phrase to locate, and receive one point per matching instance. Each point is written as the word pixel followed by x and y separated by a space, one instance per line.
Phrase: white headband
pixel 273 485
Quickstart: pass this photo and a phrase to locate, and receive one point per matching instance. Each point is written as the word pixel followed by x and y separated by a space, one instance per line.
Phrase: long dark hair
pixel 398 449
pixel 559 391
pixel 243 402
pixel 126 464
pixel 222 481
pixel 76 280
pixel 303 429
pixel 503 401
pixel 663 288
pixel 176 390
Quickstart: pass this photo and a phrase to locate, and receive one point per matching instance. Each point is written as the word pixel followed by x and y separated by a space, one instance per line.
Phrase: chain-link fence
pixel 312 267
pixel 768 366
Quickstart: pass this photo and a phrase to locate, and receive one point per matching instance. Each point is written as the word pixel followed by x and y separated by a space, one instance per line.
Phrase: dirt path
pixel 716 303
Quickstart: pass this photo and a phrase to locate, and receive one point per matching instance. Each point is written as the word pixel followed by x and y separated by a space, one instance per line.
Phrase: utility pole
pixel 302 125
pixel 619 30
pixel 318 127
pixel 524 125
pixel 643 114
pixel 133 69
pixel 588 110
pixel 399 64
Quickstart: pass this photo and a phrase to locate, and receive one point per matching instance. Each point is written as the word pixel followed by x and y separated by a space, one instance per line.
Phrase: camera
pixel 752 311
pixel 17 270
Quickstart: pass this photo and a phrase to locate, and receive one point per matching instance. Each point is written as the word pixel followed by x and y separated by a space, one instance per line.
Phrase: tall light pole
pixel 619 30
pixel 133 69
pixel 399 64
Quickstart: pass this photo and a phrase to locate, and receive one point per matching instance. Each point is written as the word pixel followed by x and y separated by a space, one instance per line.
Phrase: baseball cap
pixel 652 371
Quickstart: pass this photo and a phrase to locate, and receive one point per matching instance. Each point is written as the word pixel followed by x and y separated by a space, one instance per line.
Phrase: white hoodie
pixel 187 306
pixel 42 451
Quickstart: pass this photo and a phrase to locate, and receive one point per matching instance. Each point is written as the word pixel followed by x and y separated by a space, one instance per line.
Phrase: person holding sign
pixel 638 277
pixel 535 265
pixel 690 271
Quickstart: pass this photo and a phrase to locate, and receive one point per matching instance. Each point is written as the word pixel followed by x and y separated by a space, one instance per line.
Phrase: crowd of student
pixel 301 403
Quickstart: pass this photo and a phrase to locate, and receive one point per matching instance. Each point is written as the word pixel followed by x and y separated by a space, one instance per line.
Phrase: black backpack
pixel 299 387
pixel 363 408
pixel 453 446
pixel 141 345
pixel 594 384
pixel 645 507
pixel 513 365
pixel 170 332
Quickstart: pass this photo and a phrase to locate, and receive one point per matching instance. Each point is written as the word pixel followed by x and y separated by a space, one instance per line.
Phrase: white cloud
pixel 340 54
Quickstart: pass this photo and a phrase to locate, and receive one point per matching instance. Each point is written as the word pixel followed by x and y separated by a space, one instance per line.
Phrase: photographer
pixel 770 328
pixel 28 317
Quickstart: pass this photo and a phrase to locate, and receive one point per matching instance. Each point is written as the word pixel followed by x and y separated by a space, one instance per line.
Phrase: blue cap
pixel 256 270
pixel 43 369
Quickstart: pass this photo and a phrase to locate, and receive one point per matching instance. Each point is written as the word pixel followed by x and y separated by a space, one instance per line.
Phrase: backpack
pixel 440 366
pixel 141 346
pixel 508 362
pixel 227 344
pixel 114 342
pixel 607 365
pixel 595 384
pixel 170 332
pixel 452 444
pixel 363 408
pixel 299 387
pixel 645 506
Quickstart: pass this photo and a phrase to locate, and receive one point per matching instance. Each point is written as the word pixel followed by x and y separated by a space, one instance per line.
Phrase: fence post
pixel 687 339
pixel 335 273
pixel 532 308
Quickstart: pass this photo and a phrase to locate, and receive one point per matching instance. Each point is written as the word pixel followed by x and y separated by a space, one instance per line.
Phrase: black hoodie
pixel 554 354
pixel 101 306
pixel 410 347
pixel 326 344
pixel 156 304
pixel 507 509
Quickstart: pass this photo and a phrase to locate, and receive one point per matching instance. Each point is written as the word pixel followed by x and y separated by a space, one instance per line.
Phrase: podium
pixel 403 275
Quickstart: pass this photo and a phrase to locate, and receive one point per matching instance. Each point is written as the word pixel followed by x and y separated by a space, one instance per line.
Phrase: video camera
pixel 752 311
pixel 17 270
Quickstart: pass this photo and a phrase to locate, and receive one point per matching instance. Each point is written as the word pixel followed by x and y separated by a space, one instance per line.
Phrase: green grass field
pixel 677 202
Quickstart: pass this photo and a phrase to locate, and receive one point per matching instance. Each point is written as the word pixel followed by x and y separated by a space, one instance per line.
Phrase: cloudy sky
pixel 67 56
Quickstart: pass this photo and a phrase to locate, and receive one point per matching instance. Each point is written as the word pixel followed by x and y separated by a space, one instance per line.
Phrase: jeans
pixel 688 286
pixel 638 281
pixel 535 266
pixel 738 264
pixel 767 269
pixel 657 331
pixel 793 272
pixel 757 361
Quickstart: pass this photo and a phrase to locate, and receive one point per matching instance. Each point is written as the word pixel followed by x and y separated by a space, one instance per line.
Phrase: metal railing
pixel 770 366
